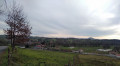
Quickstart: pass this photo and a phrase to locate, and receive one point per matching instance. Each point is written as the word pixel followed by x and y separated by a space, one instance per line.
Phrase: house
pixel 113 53
pixel 117 55
pixel 40 46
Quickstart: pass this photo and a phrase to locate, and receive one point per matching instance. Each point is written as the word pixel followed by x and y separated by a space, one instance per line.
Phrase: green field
pixel 3 58
pixel 87 49
pixel 28 57
pixel 93 60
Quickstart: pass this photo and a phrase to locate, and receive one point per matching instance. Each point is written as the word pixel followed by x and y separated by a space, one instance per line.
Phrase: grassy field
pixel 50 58
pixel 87 49
pixel 93 60
pixel 28 57
pixel 3 58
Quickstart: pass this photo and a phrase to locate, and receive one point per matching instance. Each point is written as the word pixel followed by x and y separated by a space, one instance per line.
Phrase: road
pixel 2 48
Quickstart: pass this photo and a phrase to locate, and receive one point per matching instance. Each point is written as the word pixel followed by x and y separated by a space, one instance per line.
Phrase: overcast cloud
pixel 72 18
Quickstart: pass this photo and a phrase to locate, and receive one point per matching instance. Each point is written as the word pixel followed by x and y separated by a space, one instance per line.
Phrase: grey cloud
pixel 62 16
pixel 91 31
pixel 115 9
pixel 57 16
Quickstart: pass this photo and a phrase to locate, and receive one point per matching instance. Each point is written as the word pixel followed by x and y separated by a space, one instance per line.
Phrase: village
pixel 59 33
pixel 100 51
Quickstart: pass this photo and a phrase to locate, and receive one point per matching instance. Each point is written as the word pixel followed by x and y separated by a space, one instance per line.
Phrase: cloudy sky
pixel 72 18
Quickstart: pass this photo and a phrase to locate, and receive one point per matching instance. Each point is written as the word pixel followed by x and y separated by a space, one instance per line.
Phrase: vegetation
pixel 28 57
pixel 68 42
pixel 18 30
pixel 3 42
pixel 93 60
pixel 3 58
pixel 117 49
pixel 87 49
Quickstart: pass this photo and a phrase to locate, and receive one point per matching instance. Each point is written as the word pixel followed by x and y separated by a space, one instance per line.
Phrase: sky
pixel 72 18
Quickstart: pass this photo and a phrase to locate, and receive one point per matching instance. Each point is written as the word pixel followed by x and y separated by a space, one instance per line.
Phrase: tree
pixel 106 46
pixel 116 49
pixel 19 29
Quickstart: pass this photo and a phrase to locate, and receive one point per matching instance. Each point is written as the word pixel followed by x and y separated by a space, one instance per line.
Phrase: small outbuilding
pixel 104 50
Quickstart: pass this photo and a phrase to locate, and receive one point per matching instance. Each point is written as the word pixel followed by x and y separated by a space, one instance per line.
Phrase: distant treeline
pixel 3 40
pixel 66 42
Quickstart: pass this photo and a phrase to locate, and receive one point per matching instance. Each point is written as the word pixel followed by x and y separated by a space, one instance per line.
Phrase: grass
pixel 86 49
pixel 3 58
pixel 28 57
pixel 41 57
pixel 93 50
pixel 93 60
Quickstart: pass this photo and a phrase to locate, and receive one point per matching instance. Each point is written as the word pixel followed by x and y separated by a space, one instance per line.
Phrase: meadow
pixel 93 60
pixel 87 49
pixel 29 57
pixel 3 58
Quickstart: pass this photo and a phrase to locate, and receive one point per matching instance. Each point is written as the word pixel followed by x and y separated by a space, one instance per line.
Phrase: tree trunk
pixel 8 57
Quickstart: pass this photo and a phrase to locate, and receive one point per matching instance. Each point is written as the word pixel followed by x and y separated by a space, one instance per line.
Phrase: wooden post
pixel 8 57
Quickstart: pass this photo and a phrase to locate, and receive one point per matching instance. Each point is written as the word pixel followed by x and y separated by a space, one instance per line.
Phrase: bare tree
pixel 19 29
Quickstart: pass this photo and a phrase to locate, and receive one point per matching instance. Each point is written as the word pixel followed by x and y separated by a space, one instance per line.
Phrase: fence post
pixel 8 57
